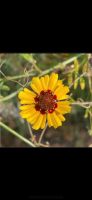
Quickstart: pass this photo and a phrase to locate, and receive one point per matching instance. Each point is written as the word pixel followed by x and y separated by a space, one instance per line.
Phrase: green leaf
pixel 85 67
pixel 28 57
pixel 86 113
pixel 76 65
pixel 82 83
pixel 76 84
pixel 70 79
pixel 4 87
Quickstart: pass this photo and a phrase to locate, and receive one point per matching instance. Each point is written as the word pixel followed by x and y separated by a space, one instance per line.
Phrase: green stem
pixel 83 104
pixel 9 96
pixel 30 130
pixel 17 77
pixel 61 65
pixel 41 136
pixel 37 68
pixel 17 135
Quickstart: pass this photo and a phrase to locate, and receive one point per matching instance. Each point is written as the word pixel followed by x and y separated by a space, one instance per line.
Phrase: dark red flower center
pixel 46 102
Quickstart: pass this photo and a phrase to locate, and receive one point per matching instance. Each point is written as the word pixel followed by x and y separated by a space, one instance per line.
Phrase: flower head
pixel 47 101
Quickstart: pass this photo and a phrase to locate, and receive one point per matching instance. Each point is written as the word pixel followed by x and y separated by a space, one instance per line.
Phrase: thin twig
pixel 42 145
pixel 83 104
pixel 40 138
pixel 36 67
pixel 11 80
pixel 30 130
pixel 9 96
pixel 33 138
pixel 19 76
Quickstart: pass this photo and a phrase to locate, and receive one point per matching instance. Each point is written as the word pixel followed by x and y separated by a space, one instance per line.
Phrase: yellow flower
pixel 47 102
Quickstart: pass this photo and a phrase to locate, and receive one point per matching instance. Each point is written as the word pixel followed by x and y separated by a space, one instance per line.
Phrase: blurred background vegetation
pixel 17 70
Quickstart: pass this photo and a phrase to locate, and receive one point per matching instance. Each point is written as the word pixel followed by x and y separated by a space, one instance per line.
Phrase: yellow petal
pixel 27 91
pixel 38 123
pixel 24 114
pixel 26 107
pixel 61 92
pixel 66 89
pixel 64 97
pixel 42 79
pixel 58 92
pixel 63 107
pixel 27 101
pixel 34 88
pixel 46 77
pixel 49 120
pixel 53 81
pixel 59 83
pixel 54 123
pixel 43 122
pixel 56 119
pixel 25 96
pixel 34 117
pixel 61 117
pixel 27 113
pixel 64 103
pixel 37 83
